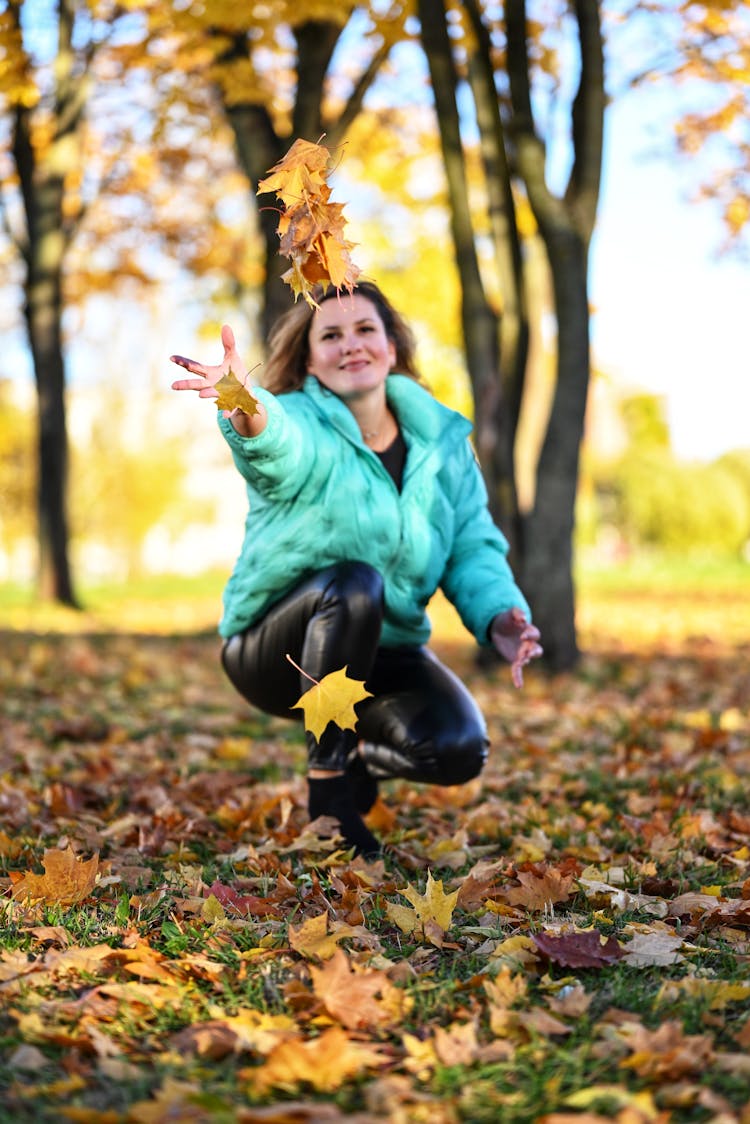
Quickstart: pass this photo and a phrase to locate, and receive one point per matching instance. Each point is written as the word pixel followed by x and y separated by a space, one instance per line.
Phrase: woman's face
pixel 349 351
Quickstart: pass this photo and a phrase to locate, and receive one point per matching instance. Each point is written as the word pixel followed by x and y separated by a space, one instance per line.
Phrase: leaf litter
pixel 565 939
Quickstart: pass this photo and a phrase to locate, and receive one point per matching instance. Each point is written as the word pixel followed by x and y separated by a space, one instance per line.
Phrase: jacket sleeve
pixel 477 578
pixel 279 459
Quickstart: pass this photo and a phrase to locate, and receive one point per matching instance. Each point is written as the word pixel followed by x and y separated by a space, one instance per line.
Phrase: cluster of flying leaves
pixel 565 940
pixel 310 227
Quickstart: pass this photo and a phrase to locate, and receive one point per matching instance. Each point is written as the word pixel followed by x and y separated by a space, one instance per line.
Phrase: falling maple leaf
pixel 66 879
pixel 332 700
pixel 300 172
pixel 311 227
pixel 234 395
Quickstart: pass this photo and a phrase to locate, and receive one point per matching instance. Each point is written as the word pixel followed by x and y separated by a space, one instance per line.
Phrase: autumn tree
pixel 99 180
pixel 497 57
pixel 700 53
pixel 49 54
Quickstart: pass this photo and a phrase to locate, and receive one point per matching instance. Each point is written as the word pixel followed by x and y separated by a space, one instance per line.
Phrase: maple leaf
pixel 233 395
pixel 66 879
pixel 537 892
pixel 301 170
pixel 579 950
pixel 667 1053
pixel 313 939
pixel 357 997
pixel 457 1044
pixel 647 949
pixel 325 1063
pixel 433 908
pixel 332 700
pixel 311 227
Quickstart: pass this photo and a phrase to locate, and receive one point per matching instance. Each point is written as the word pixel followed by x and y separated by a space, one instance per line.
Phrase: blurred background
pixel 613 136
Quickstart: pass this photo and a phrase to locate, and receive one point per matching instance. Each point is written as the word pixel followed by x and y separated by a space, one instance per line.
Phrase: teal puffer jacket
pixel 318 495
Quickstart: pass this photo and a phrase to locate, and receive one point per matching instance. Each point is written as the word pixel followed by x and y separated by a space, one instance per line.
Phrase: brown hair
pixel 288 349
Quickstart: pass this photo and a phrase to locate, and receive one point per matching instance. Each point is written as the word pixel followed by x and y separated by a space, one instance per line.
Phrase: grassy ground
pixel 566 940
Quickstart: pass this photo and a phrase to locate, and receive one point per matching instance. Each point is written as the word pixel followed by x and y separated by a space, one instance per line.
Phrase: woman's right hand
pixel 208 375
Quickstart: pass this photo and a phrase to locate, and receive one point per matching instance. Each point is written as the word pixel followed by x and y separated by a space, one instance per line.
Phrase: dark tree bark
pixel 47 237
pixel 479 321
pixel 565 225
pixel 497 345
pixel 514 319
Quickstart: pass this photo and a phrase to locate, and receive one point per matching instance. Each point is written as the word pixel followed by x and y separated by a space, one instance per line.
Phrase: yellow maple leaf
pixel 332 700
pixel 300 171
pixel 233 395
pixel 324 1063
pixel 312 938
pixel 433 906
pixel 66 879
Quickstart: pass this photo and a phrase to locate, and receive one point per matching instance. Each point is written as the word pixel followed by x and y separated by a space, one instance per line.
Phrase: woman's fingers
pixel 189 364
pixel 189 384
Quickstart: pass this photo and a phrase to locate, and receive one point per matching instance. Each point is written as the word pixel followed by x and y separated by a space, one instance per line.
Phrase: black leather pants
pixel 421 722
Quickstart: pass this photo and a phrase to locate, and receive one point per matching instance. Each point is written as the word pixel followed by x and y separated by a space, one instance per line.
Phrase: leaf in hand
pixel 332 700
pixel 234 396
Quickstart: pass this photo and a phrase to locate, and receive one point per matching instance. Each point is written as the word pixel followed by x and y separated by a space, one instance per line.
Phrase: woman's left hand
pixel 516 640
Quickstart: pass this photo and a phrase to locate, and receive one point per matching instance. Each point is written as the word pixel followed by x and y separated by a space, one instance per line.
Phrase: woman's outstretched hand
pixel 208 375
pixel 516 640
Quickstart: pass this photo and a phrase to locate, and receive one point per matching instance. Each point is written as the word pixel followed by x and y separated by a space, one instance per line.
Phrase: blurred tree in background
pixel 646 499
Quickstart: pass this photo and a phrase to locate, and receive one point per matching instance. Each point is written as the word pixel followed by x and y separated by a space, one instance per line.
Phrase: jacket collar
pixel 425 422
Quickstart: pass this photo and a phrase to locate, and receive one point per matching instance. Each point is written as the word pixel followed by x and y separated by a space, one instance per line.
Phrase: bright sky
pixel 671 317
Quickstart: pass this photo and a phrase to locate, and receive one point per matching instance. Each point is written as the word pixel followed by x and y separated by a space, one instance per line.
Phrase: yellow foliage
pixel 16 82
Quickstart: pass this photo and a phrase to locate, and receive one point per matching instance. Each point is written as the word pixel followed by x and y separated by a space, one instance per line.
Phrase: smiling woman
pixel 365 498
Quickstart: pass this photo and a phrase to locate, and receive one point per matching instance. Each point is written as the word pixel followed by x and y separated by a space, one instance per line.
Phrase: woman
pixel 365 497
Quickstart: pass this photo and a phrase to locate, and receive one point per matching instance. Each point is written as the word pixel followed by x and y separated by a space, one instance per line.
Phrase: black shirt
pixel 394 459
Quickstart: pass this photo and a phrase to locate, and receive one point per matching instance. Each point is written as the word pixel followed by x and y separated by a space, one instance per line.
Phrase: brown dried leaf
pixel 579 949
pixel 66 879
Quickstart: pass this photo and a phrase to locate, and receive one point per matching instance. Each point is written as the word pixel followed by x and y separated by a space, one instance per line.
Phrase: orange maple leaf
pixel 66 879
pixel 301 171
pixel 357 997
pixel 537 892
pixel 331 700
pixel 311 227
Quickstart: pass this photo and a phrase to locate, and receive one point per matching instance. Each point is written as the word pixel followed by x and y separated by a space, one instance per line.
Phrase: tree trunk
pixel 42 178
pixel 43 312
pixel 500 469
pixel 479 320
pixel 565 225
pixel 547 568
